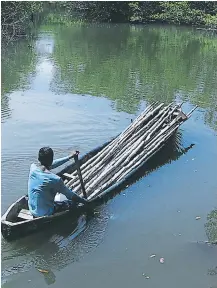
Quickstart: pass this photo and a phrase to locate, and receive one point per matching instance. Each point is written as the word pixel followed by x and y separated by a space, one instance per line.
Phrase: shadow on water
pixel 58 246
pixel 171 151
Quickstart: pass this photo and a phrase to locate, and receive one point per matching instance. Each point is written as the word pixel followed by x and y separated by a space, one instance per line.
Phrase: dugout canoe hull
pixel 12 228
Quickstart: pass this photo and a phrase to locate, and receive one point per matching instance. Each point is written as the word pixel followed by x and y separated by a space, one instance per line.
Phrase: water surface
pixel 76 87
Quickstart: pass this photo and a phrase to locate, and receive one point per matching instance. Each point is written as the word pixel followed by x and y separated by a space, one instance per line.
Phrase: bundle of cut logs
pixel 134 146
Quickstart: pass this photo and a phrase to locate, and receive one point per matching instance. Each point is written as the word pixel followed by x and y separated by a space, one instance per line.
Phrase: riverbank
pixel 20 18
pixel 200 14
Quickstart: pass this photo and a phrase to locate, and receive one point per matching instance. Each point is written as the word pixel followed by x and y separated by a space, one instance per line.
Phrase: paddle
pixel 79 175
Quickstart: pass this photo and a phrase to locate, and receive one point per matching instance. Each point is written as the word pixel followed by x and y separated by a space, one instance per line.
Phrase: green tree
pixel 17 17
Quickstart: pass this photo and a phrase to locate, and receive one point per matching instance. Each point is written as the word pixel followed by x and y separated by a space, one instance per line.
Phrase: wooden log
pixel 69 176
pixel 192 110
pixel 175 120
pixel 161 121
pixel 107 148
pixel 147 110
pixel 130 142
pixel 147 147
pixel 104 155
pixel 156 148
pixel 150 153
pixel 119 148
pixel 129 167
pixel 109 169
pixel 116 161
pixel 158 126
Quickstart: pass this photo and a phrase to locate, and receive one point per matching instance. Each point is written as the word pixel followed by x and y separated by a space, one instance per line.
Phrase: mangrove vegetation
pixel 19 17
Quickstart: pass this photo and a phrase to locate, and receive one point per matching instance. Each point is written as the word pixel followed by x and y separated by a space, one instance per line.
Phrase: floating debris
pixel 43 271
pixel 161 260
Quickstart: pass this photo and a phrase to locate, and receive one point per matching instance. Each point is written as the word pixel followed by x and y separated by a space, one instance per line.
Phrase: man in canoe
pixel 43 185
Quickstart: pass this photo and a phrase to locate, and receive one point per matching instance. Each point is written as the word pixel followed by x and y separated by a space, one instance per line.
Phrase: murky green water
pixel 76 87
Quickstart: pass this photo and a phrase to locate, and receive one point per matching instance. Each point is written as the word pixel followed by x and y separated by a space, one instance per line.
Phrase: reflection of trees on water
pixel 57 246
pixel 18 64
pixel 211 226
pixel 129 64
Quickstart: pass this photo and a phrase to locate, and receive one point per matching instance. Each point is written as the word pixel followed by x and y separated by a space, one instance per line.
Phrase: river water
pixel 76 87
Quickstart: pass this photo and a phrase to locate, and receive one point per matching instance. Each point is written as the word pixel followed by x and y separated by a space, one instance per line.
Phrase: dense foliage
pixel 181 12
pixel 17 17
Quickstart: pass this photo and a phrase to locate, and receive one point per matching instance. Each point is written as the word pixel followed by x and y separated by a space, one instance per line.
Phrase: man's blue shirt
pixel 43 187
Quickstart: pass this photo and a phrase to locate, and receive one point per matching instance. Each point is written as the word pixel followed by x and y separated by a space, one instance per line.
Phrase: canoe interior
pixel 12 213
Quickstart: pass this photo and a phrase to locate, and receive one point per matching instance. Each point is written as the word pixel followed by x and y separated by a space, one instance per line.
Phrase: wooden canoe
pixel 12 227
pixel 15 223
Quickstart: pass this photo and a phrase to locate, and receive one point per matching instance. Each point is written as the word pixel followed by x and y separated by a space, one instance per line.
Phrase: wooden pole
pixel 131 151
pixel 111 168
pixel 104 155
pixel 80 176
pixel 120 144
pixel 127 168
pixel 138 142
pixel 143 155
pixel 149 111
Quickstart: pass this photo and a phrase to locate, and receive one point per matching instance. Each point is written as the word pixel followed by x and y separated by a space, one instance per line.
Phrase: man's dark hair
pixel 45 156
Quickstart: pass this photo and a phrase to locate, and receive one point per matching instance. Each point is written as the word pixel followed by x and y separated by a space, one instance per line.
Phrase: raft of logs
pixel 135 145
